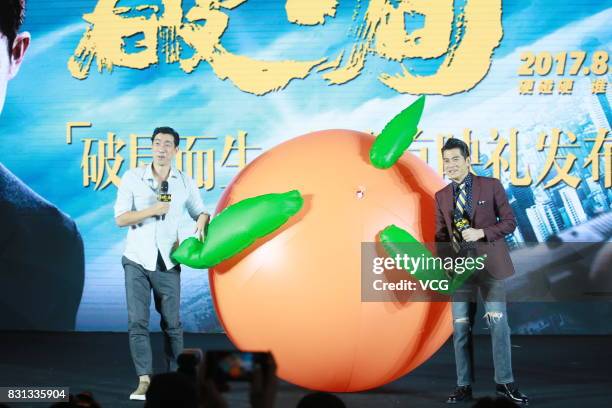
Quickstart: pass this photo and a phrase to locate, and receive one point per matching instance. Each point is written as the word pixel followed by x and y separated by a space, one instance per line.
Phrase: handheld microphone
pixel 461 224
pixel 164 197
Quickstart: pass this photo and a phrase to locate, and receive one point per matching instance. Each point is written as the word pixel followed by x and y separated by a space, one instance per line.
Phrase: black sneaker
pixel 511 392
pixel 461 394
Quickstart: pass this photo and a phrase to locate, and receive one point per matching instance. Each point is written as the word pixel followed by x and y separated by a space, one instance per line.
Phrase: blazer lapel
pixel 475 194
pixel 448 207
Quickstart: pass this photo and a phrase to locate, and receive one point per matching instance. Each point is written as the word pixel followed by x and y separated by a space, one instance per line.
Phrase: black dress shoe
pixel 512 392
pixel 461 394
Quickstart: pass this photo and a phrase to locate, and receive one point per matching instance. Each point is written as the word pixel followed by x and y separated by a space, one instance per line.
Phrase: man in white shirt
pixel 152 236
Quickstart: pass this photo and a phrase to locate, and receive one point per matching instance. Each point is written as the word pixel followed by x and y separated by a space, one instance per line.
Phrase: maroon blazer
pixel 491 212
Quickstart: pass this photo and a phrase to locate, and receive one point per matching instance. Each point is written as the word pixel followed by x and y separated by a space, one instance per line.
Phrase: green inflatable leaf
pixel 397 135
pixel 237 227
pixel 397 241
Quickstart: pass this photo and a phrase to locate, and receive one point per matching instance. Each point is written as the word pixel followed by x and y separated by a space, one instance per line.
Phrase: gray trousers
pixel 166 286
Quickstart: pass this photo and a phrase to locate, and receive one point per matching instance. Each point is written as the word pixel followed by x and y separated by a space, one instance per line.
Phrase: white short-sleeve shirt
pixel 138 191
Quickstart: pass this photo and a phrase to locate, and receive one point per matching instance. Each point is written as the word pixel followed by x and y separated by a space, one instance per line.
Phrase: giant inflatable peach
pixel 297 291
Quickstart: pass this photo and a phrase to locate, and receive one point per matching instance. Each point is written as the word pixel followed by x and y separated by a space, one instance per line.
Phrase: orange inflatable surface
pixel 297 292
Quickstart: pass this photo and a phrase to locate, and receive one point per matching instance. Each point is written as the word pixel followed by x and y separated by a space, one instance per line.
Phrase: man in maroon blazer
pixel 472 218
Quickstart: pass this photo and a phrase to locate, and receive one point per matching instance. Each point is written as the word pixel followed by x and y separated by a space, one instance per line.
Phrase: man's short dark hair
pixel 169 131
pixel 453 143
pixel 12 13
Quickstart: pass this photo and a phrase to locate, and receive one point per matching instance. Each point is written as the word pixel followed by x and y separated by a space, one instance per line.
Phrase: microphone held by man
pixel 164 197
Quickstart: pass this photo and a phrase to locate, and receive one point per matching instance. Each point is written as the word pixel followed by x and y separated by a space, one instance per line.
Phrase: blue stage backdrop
pixel 525 83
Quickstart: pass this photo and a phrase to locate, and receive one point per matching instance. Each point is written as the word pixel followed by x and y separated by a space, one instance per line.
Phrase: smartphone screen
pixel 233 365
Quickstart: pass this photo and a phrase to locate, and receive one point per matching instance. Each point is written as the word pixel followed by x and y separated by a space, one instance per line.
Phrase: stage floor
pixel 554 371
